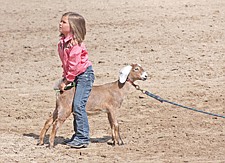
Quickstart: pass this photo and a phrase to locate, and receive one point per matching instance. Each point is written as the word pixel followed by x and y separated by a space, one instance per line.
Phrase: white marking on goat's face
pixel 144 76
pixel 139 65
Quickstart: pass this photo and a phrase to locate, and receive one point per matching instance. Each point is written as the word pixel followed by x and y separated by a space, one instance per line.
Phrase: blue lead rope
pixel 173 103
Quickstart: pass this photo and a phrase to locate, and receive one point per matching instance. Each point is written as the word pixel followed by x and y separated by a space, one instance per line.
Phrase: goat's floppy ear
pixel 124 72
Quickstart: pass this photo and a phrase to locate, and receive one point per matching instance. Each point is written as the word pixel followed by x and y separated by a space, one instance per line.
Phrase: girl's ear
pixel 124 72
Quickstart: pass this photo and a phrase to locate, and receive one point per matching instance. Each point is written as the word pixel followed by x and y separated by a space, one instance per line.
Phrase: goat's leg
pixel 111 142
pixel 48 123
pixel 116 138
pixel 117 134
pixel 56 125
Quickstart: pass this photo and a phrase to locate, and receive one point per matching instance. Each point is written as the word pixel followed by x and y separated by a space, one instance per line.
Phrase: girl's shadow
pixel 61 140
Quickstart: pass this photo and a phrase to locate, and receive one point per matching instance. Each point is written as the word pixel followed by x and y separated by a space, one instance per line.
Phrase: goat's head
pixel 132 73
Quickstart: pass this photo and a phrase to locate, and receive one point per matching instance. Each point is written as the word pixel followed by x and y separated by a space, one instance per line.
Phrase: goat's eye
pixel 136 69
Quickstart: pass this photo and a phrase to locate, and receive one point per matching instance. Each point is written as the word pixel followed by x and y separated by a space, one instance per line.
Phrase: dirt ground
pixel 179 43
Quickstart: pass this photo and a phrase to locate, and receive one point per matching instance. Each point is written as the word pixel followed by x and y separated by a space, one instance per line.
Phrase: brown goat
pixel 107 97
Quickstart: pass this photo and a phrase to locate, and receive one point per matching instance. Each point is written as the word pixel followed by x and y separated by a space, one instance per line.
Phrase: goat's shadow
pixel 61 140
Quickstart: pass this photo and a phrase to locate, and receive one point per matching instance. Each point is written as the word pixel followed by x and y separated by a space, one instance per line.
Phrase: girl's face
pixel 64 26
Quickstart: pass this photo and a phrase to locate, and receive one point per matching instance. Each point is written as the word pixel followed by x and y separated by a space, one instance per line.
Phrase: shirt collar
pixel 66 39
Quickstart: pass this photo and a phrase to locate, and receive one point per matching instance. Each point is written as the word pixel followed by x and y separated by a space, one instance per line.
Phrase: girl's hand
pixel 62 86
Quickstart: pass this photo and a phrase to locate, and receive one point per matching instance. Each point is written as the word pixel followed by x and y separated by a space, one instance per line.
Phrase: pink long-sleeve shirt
pixel 74 58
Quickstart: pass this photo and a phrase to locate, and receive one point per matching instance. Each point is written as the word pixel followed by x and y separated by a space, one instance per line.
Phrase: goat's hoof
pixel 111 142
pixel 50 146
pixel 40 143
pixel 120 143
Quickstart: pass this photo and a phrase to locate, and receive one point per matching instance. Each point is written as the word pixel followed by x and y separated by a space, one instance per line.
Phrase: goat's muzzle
pixel 144 76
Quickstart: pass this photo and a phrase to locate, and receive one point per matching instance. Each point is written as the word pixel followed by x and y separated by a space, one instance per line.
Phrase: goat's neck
pixel 125 86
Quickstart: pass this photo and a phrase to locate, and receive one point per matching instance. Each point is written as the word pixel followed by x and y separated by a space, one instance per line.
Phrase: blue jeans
pixel 84 83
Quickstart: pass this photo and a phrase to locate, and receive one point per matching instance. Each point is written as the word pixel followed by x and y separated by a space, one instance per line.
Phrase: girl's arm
pixel 73 64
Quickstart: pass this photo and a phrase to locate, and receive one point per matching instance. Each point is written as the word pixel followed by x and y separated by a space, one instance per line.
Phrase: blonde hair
pixel 77 26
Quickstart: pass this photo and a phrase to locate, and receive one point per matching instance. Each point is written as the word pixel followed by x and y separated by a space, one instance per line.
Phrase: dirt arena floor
pixel 181 44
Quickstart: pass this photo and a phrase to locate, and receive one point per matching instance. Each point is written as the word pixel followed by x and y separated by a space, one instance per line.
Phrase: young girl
pixel 76 68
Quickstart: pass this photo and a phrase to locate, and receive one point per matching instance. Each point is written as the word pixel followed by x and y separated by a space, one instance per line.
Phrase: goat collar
pixel 132 83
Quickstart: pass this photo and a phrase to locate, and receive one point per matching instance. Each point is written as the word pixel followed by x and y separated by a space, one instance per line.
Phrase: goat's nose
pixel 144 76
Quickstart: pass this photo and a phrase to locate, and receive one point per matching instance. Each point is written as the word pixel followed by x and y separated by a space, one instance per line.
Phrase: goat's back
pixel 104 97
